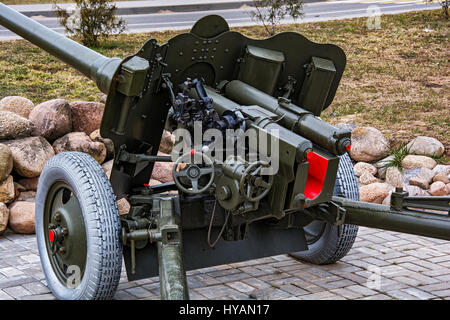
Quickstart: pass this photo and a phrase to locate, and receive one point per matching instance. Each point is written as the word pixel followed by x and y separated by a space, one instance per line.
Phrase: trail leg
pixel 172 276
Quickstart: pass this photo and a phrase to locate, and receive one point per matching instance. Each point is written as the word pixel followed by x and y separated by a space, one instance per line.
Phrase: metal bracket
pixel 163 77
pixel 401 201
pixel 167 84
pixel 289 87
pixel 330 212
pixel 170 233
pixel 337 213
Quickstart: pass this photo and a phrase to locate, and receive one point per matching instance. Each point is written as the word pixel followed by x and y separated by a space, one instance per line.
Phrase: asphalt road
pixel 320 11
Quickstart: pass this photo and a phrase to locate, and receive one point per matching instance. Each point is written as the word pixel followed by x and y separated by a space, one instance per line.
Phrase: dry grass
pixel 397 78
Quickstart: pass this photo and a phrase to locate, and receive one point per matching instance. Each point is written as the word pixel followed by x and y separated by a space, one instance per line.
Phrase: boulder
pixel 167 142
pixel 362 167
pixel 426 174
pixel 346 126
pixel 441 177
pixel 96 136
pixel 123 205
pixel 438 188
pixel 426 146
pixel 394 177
pixel 414 191
pixel 387 200
pixel 52 119
pixel 109 145
pixel 12 126
pixel 19 105
pixel 7 192
pixel 375 192
pixel 86 116
pixel 29 196
pixel 18 188
pixel 441 168
pixel 162 171
pixel 368 144
pixel 107 167
pixel 408 174
pixel 414 161
pixel 4 217
pixel 422 179
pixel 382 166
pixel 367 178
pixel 420 182
pixel 30 155
pixel 80 141
pixel 154 182
pixel 6 162
pixel 29 184
pixel 21 217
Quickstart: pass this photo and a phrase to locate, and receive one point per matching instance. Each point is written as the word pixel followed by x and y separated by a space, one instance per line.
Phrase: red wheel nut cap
pixel 51 235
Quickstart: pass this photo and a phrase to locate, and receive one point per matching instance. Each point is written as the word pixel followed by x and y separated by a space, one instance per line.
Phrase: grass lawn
pixel 397 78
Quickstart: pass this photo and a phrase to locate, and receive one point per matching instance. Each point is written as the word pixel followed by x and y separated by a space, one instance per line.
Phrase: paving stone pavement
pixel 381 265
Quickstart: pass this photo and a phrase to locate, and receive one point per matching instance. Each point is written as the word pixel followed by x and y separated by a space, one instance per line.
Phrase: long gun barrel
pixel 94 65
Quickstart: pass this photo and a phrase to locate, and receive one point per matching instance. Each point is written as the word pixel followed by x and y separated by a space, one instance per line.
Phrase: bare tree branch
pixel 271 12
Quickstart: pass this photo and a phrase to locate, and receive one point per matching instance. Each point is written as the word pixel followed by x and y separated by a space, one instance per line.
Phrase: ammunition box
pixel 261 68
pixel 319 78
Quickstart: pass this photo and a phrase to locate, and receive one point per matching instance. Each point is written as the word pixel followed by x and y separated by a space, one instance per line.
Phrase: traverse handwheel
pixel 253 185
pixel 193 172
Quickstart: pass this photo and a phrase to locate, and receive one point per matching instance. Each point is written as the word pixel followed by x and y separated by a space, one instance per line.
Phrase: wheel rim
pixel 314 231
pixel 65 233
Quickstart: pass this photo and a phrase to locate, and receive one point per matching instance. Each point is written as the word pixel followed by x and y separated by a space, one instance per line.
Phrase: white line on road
pixel 246 21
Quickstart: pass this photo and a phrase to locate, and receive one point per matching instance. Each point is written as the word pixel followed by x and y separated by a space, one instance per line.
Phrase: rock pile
pixel 419 173
pixel 30 135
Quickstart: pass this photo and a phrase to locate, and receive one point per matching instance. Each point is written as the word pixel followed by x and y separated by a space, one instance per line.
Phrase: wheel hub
pixel 193 172
pixel 66 234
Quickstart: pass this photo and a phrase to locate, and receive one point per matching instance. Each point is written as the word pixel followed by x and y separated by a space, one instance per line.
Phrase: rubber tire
pixel 101 218
pixel 335 241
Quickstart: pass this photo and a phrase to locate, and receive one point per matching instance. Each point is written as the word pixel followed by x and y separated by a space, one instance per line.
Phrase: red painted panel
pixel 316 175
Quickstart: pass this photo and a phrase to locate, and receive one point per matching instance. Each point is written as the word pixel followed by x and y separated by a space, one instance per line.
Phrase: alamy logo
pixel 74 279
pixel 374 281
pixel 374 17
pixel 252 145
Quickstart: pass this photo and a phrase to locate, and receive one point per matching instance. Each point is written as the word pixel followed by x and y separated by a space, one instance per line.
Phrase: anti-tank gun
pixel 256 171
